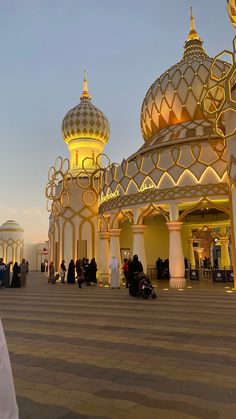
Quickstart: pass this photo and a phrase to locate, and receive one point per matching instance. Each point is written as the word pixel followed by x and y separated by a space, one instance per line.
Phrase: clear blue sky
pixel 45 45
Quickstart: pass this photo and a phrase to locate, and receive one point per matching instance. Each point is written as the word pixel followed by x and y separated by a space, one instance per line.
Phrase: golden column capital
pixel 174 225
pixel 138 228
pixel 104 235
pixel 114 232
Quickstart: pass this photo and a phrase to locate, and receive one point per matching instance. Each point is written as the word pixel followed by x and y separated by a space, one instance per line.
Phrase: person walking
pixel 51 273
pixel 6 276
pixel 2 270
pixel 71 273
pixel 87 271
pixel 135 268
pixel 93 271
pixel 24 268
pixel 63 272
pixel 126 272
pixel 79 272
pixel 115 275
pixel 15 282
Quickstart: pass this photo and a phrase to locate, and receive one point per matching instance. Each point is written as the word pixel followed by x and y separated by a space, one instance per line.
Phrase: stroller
pixel 55 278
pixel 146 289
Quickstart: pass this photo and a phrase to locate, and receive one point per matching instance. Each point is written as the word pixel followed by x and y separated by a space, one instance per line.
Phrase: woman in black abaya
pixel 135 268
pixel 15 282
pixel 71 273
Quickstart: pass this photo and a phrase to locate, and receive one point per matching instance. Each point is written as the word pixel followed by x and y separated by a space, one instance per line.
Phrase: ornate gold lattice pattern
pixel 218 99
pixel 169 166
pixel 91 181
pixel 59 180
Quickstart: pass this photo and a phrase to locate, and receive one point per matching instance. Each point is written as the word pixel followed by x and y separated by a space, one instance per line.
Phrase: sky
pixel 124 45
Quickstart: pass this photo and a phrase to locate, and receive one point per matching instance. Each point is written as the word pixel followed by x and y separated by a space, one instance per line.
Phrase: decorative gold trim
pixel 59 179
pixel 150 176
pixel 149 210
pixel 158 196
pixel 201 204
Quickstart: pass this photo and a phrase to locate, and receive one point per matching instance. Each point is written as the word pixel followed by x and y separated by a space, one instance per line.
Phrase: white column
pixel 191 253
pixel 5 253
pixel 103 257
pixel 14 259
pixel 139 244
pixel 21 251
pixel 224 260
pixel 115 245
pixel 50 250
pixel 176 257
pixel 173 212
pixel 230 124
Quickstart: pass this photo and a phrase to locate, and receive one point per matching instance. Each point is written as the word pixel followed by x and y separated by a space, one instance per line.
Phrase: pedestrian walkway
pixel 97 353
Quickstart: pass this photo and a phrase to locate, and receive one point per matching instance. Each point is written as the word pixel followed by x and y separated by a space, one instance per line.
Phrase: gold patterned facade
pixel 180 169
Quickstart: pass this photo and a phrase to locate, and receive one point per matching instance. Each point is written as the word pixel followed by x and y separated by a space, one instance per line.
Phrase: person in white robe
pixel 115 273
pixel 8 405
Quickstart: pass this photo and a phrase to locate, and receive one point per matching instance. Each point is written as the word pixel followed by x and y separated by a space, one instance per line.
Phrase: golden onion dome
pixel 85 120
pixel 176 96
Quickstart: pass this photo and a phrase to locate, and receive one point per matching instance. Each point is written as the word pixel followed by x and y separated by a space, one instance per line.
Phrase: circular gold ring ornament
pixel 83 180
pixel 58 163
pixel 65 199
pixel 89 198
pixel 56 208
pixel 68 180
pixel 49 205
pixel 51 173
pixel 65 166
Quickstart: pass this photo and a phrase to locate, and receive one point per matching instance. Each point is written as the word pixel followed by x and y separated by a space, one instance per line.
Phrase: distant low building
pixel 12 247
pixel 11 241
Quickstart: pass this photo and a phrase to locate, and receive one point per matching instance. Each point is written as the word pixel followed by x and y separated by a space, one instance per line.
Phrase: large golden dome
pixel 176 96
pixel 85 121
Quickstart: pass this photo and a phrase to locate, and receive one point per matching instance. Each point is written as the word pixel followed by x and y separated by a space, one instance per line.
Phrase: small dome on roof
pixel 11 225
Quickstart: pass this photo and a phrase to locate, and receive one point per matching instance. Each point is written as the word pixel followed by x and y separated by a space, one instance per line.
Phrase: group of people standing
pixel 86 272
pixel 82 270
pixel 131 269
pixel 162 267
pixel 19 274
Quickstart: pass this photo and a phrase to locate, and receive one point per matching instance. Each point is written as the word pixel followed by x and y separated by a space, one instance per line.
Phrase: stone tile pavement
pixel 97 353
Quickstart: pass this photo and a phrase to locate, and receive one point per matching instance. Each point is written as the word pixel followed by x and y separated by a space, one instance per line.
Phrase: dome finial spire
pixel 193 34
pixel 85 93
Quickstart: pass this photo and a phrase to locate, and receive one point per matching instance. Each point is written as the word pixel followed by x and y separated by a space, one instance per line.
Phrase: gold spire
pixel 193 31
pixel 193 46
pixel 85 93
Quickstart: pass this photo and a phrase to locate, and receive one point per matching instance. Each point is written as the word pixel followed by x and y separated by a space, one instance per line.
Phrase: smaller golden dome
pixel 85 120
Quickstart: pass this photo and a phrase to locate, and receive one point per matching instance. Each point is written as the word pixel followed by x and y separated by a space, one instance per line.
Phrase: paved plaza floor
pixel 98 353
